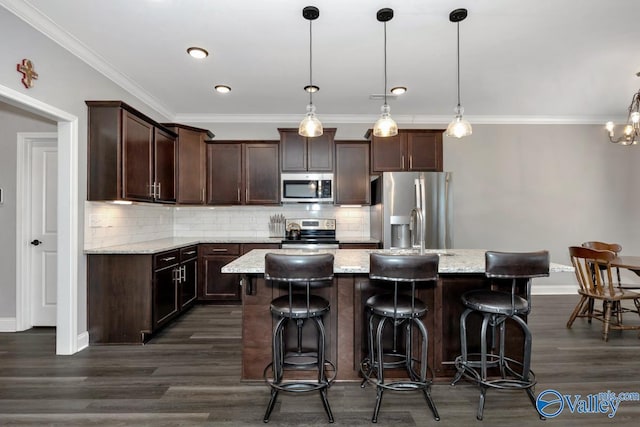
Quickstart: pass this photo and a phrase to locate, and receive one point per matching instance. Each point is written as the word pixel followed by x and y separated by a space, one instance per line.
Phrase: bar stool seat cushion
pixel 495 302
pixel 382 305
pixel 298 310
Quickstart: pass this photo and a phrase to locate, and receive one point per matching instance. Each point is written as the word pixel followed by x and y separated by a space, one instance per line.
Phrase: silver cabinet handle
pixel 169 258
pixel 190 253
pixel 410 162
pixel 403 161
pixel 203 195
pixel 159 189
pixel 238 193
pixel 183 275
pixel 220 250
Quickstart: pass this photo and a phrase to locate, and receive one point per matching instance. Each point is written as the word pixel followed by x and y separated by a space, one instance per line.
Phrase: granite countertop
pixel 161 245
pixel 357 260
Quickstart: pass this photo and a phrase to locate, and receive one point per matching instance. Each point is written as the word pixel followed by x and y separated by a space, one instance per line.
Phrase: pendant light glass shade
pixel 385 125
pixel 310 126
pixel 459 127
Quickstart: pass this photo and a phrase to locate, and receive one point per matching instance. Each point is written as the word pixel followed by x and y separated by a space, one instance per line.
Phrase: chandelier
pixel 631 130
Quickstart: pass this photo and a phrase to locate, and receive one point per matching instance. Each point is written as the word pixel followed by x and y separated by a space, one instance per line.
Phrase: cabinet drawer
pixel 188 253
pixel 166 259
pixel 219 249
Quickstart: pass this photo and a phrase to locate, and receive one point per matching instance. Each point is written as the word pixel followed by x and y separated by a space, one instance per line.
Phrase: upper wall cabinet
pixel 242 173
pixel 192 163
pixel 353 185
pixel 410 150
pixel 302 154
pixel 130 157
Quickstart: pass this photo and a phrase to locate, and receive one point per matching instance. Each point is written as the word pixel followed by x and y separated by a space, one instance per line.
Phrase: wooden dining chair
pixel 600 287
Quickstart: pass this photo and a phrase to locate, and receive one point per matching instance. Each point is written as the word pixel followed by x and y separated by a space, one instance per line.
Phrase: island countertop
pixel 356 261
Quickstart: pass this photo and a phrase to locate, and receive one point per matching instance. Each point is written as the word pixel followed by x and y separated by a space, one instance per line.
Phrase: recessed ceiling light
pixel 398 90
pixel 222 88
pixel 311 88
pixel 197 52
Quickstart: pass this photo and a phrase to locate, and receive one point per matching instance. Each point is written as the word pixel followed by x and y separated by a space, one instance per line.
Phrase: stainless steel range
pixel 310 233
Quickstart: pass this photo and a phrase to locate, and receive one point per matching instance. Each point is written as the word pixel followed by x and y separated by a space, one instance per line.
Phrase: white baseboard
pixel 8 324
pixel 554 289
pixel 83 340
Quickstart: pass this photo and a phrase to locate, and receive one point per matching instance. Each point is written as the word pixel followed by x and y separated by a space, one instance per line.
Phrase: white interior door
pixel 44 233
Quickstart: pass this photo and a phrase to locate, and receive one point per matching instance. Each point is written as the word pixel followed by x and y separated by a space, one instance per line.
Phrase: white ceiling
pixel 566 61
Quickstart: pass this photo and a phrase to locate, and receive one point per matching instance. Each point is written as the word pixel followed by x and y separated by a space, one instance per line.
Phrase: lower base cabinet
pixel 214 285
pixel 131 296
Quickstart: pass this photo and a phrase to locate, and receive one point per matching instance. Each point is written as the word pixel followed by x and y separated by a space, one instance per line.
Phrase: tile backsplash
pixel 107 224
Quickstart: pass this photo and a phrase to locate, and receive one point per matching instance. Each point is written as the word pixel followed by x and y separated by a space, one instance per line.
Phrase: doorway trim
pixel 67 339
pixel 24 287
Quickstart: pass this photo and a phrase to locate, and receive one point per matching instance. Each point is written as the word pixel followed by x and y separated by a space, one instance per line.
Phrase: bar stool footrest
pixel 294 386
pixel 469 370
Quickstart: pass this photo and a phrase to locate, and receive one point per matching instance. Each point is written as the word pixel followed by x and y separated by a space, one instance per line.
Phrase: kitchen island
pixel 460 270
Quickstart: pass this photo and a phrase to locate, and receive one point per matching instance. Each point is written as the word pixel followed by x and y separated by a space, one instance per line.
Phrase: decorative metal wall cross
pixel 28 73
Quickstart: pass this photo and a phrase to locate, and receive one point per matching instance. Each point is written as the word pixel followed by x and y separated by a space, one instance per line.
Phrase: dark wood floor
pixel 188 375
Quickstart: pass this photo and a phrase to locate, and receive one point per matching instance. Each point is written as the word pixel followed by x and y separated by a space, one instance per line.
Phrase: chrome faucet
pixel 416 214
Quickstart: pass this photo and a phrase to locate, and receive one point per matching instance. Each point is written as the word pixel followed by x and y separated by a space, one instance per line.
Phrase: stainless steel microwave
pixel 306 187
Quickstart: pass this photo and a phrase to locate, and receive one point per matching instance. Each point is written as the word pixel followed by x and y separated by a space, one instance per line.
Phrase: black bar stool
pixel 496 307
pixel 396 310
pixel 301 271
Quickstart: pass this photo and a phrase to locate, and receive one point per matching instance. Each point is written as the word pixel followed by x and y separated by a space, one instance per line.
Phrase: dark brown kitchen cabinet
pixel 131 296
pixel 409 150
pixel 191 163
pixel 353 185
pixel 166 281
pixel 130 156
pixel 302 154
pixel 243 173
pixel 188 291
pixel 214 285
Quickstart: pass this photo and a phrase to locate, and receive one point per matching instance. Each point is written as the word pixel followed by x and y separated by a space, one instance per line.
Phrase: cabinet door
pixel 191 167
pixel 261 174
pixel 216 285
pixel 424 150
pixel 189 283
pixel 165 295
pixel 388 154
pixel 224 174
pixel 353 185
pixel 320 152
pixel 164 166
pixel 293 149
pixel 137 161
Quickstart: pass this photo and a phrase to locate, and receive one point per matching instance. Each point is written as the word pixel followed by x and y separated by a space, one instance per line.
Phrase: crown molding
pixel 400 119
pixel 46 26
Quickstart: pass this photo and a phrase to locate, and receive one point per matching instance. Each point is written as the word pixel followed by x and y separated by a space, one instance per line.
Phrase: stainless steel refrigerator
pixel 394 197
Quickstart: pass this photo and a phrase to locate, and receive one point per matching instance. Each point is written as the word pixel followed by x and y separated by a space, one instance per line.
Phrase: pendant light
pixel 459 127
pixel 385 126
pixel 310 126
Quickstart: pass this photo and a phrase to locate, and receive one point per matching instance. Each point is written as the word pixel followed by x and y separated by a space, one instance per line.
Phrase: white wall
pixel 12 121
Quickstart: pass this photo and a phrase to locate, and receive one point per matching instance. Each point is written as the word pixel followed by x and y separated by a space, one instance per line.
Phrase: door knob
pixel 35 242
